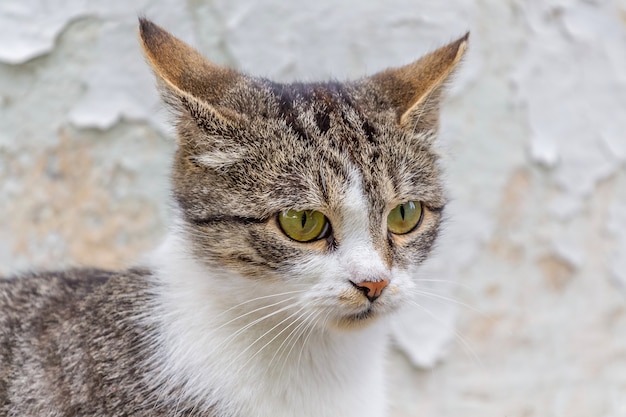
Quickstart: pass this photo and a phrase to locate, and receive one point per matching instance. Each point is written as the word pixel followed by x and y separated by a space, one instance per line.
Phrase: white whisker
pixel 301 324
pixel 306 339
pixel 260 298
pixel 466 345
pixel 265 334
pixel 452 282
pixel 225 342
pixel 254 311
pixel 436 296
pixel 307 324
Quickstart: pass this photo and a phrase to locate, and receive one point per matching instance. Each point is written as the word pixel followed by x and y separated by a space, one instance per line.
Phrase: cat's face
pixel 328 192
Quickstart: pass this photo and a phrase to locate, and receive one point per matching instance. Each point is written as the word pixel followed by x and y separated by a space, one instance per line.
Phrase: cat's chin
pixel 357 321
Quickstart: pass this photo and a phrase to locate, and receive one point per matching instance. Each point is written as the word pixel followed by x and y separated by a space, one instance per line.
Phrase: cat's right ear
pixel 187 79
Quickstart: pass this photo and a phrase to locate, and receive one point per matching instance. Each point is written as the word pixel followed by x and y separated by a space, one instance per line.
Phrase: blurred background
pixel 524 308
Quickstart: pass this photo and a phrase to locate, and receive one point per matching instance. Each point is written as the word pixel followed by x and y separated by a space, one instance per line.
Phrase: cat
pixel 303 211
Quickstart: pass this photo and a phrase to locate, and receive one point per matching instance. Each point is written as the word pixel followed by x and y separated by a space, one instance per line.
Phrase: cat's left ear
pixel 414 90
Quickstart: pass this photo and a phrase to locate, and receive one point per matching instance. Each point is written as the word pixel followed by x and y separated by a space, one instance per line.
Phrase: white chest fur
pixel 260 358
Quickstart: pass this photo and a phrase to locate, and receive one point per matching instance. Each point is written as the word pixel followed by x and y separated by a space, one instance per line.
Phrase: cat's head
pixel 330 191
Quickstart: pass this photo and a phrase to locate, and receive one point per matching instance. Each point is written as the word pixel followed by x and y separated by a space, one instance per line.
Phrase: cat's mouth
pixel 359 318
pixel 366 316
pixel 363 315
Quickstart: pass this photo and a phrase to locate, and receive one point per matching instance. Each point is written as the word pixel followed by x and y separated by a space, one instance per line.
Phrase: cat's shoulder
pixel 76 342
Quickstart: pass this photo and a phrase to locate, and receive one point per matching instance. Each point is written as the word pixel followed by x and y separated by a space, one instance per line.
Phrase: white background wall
pixel 533 129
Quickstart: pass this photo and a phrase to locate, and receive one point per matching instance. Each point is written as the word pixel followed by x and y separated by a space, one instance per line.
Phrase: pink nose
pixel 371 289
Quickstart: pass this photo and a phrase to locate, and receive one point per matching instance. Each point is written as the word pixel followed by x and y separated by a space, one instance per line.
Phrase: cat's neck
pixel 226 341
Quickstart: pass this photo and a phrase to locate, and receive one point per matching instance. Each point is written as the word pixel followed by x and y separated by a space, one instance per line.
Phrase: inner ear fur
pixel 414 90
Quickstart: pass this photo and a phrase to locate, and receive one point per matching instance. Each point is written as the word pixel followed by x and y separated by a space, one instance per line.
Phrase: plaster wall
pixel 528 315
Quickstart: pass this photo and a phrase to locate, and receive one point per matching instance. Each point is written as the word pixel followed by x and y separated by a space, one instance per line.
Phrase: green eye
pixel 303 226
pixel 404 218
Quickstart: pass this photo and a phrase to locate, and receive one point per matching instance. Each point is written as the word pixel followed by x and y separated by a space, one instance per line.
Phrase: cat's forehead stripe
pixel 323 100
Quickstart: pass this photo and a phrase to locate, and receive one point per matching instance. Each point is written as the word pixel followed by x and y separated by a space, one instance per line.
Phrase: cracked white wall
pixel 533 132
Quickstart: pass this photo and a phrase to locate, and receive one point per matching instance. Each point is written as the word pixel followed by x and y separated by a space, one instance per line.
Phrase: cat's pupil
pixel 402 211
pixel 303 219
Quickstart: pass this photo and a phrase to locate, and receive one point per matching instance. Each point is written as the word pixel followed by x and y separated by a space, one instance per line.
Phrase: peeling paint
pixel 544 151
pixel 616 225
pixel 571 107
pixel 532 261
pixel 557 271
pixel 77 214
pixel 29 30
